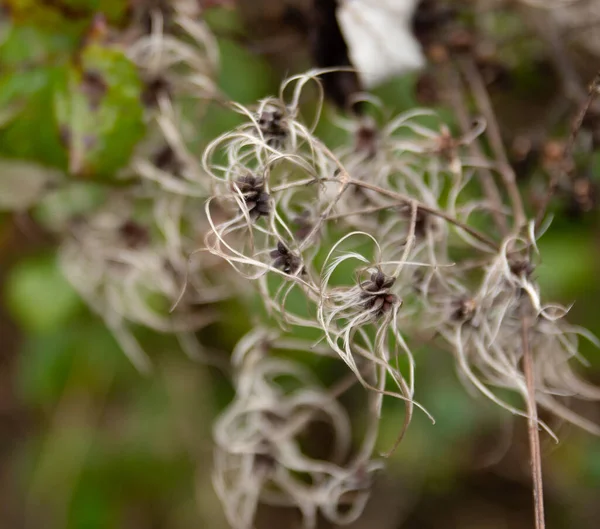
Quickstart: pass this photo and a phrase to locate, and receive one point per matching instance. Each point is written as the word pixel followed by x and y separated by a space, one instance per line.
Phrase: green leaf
pixel 99 111
pixel 38 297
pixel 66 13
pixel 28 130
pixel 92 508
pixel 30 61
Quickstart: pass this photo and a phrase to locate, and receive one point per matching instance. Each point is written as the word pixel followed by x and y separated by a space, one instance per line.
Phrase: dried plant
pixel 404 231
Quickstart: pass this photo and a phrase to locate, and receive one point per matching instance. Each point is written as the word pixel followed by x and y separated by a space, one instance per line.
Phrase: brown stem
pixel 364 211
pixel 323 217
pixel 593 92
pixel 532 428
pixel 477 86
pixel 485 175
pixel 423 207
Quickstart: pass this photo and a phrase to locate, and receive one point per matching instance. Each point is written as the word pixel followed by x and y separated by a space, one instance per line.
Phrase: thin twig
pixel 485 175
pixel 423 207
pixel 475 82
pixel 364 211
pixel 532 428
pixel 593 92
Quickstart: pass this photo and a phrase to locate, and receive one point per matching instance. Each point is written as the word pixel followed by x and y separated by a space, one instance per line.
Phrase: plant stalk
pixel 532 428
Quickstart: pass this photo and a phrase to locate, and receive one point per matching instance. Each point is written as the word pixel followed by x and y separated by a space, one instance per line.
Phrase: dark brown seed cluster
pixel 464 309
pixel 521 267
pixel 447 145
pixel 134 235
pixel 272 128
pixel 376 294
pixel 257 200
pixel 366 139
pixel 168 160
pixel 154 89
pixel 285 260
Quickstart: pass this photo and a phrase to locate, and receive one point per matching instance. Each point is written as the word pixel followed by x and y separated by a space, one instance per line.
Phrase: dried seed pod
pixel 285 260
pixel 154 89
pixel 257 200
pixel 270 123
pixel 168 160
pixel 134 235
pixel 464 309
pixel 365 139
pixel 376 295
pixel 521 267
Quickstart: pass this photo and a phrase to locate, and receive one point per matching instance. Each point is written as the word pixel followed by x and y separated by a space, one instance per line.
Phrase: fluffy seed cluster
pixel 259 455
pixel 381 219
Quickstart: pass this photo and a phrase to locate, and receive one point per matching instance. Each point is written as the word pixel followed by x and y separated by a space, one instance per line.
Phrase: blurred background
pixel 86 441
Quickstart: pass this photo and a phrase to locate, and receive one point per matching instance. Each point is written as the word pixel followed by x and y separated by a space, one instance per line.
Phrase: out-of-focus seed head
pixel 366 139
pixel 154 89
pixel 272 127
pixel 521 267
pixel 463 309
pixel 583 196
pixel 134 235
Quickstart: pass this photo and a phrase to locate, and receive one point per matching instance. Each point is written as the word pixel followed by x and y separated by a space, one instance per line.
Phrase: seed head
pixel 521 267
pixel 376 295
pixel 257 200
pixel 366 139
pixel 134 235
pixel 285 260
pixel 464 309
pixel 272 128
